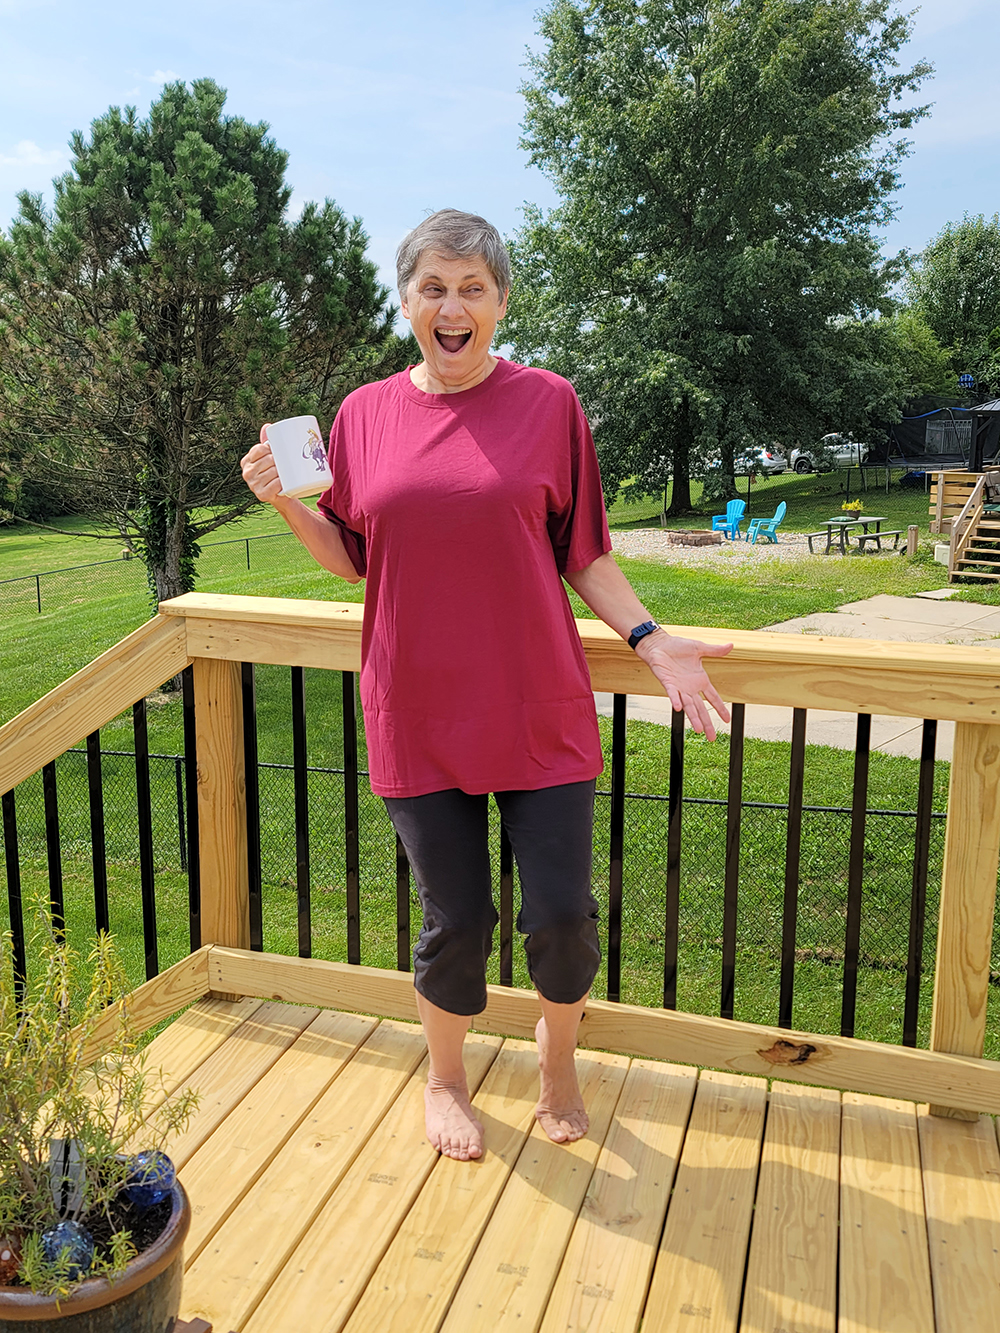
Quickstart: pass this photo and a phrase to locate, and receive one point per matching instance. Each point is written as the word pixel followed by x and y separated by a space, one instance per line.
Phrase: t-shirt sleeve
pixel 579 529
pixel 334 503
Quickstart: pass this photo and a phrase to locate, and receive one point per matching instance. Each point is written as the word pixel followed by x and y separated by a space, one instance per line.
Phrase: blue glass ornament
pixel 75 1241
pixel 151 1178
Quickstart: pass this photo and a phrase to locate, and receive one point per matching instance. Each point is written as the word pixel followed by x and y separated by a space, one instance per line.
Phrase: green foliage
pixel 710 277
pixel 51 1090
pixel 955 285
pixel 924 367
pixel 165 308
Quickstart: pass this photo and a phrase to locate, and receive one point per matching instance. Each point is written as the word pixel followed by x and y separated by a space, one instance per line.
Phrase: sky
pixel 395 109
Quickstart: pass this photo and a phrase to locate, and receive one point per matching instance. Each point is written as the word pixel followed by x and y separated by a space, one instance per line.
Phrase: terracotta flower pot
pixel 145 1299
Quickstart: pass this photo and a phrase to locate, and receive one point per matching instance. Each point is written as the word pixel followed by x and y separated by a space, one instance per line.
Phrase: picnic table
pixel 838 530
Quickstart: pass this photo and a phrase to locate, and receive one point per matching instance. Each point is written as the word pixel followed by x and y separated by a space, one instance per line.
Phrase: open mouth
pixel 452 340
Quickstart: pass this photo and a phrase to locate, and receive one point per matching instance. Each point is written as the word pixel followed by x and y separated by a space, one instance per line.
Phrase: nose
pixel 452 304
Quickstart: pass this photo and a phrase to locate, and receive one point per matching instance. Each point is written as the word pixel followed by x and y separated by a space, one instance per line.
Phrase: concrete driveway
pixel 929 618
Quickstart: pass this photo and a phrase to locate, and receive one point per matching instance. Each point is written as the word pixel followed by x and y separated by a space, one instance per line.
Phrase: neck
pixel 424 378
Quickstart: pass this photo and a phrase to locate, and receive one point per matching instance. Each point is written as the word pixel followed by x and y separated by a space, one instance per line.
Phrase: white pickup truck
pixel 836 451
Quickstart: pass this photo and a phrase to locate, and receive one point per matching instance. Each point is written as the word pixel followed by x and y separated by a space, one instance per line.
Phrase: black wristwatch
pixel 641 631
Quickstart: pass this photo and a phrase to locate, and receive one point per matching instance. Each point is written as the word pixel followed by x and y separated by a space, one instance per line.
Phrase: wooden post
pixel 939 504
pixel 912 539
pixel 968 894
pixel 222 812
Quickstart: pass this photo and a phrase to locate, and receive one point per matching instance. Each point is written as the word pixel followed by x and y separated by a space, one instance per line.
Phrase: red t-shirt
pixel 463 510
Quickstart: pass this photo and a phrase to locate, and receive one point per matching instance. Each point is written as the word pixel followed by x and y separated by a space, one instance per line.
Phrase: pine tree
pixel 164 308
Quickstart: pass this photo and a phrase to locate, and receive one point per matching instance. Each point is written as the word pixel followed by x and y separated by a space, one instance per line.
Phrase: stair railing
pixel 965 524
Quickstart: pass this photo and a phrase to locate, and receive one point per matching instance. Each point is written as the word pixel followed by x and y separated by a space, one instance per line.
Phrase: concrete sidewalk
pixel 929 618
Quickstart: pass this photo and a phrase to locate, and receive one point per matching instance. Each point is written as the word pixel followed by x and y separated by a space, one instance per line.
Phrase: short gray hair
pixel 455 235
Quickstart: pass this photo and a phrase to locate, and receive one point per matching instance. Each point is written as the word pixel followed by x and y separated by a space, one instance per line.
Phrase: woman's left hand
pixel 677 665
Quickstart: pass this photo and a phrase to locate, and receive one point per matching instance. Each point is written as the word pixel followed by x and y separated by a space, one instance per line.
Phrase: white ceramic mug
pixel 299 455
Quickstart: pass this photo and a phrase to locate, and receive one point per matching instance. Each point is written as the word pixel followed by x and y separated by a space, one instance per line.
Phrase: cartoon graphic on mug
pixel 297 447
pixel 313 448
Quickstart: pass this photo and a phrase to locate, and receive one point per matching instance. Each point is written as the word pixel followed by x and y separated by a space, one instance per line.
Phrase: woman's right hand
pixel 260 471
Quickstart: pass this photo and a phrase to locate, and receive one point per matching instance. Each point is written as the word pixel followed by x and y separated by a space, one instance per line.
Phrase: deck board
pixel 412 1286
pixel 329 1270
pixel 698 1277
pixel 516 1263
pixel 791 1281
pixel 604 1277
pixel 221 1172
pixel 319 1207
pixel 961 1170
pixel 885 1284
pixel 226 1282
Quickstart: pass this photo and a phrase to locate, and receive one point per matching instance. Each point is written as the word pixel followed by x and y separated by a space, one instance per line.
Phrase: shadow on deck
pixel 701 1201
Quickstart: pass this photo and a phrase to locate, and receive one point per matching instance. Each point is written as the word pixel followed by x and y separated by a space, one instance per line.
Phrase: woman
pixel 464 490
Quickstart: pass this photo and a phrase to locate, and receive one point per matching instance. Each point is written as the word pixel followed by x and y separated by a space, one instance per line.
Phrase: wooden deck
pixel 699 1201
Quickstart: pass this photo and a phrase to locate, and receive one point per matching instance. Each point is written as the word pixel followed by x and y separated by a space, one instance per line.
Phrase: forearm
pixel 608 593
pixel 319 536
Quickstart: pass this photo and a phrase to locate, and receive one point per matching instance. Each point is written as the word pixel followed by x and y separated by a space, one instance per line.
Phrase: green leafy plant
pixel 74 1106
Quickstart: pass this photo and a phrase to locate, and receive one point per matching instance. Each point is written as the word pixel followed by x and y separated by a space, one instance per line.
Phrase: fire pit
pixel 693 537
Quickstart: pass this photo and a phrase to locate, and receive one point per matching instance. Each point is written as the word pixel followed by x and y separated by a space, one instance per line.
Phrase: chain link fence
pixel 822 903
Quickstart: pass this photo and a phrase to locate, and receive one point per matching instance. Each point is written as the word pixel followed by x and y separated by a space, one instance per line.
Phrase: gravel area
pixel 652 544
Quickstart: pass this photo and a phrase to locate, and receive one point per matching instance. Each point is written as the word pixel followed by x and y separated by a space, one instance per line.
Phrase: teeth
pixel 453 333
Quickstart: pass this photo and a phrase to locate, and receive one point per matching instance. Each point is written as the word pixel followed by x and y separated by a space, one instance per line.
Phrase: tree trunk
pixel 680 490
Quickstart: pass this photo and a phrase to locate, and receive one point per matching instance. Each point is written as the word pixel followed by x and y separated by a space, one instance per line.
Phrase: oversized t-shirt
pixel 462 510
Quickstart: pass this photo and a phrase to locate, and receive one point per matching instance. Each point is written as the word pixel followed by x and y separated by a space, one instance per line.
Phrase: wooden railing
pixel 217 633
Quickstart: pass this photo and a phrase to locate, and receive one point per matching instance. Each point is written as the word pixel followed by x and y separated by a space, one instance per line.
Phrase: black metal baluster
pixel 53 851
pixel 734 814
pixel 793 852
pixel 191 795
pixel 352 860
pixel 179 792
pixel 300 776
pixel 855 875
pixel 918 896
pixel 95 788
pixel 12 861
pixel 254 876
pixel 147 874
pixel 675 807
pixel 616 850
pixel 403 959
pixel 506 908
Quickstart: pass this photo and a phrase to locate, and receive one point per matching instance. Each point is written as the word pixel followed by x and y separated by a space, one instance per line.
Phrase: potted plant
pixel 92 1220
pixel 852 506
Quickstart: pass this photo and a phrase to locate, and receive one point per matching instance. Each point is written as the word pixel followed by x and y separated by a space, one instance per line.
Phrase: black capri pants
pixel 445 835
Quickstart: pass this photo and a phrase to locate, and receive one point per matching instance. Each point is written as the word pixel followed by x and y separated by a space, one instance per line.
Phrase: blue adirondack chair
pixel 766 527
pixel 729 522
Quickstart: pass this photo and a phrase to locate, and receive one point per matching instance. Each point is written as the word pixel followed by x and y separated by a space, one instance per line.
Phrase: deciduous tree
pixel 955 284
pixel 710 278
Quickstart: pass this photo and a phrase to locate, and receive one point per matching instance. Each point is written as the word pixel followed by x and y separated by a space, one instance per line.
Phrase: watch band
pixel 641 631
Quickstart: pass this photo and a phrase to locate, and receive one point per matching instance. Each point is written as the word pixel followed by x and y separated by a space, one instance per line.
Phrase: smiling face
pixel 453 306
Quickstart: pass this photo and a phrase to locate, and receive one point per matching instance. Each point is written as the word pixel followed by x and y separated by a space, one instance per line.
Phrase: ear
pixel 503 304
pixel 403 304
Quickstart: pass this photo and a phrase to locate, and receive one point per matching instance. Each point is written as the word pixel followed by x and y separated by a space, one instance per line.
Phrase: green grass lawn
pixel 37 651
pixel 811 499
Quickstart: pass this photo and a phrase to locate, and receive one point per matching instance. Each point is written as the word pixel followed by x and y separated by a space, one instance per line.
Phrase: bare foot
pixel 452 1127
pixel 560 1107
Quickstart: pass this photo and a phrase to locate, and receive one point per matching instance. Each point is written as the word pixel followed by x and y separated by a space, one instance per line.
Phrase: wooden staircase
pixel 975 539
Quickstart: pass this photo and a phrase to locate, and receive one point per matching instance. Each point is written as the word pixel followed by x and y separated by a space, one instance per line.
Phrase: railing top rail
pixel 101 690
pixel 944 681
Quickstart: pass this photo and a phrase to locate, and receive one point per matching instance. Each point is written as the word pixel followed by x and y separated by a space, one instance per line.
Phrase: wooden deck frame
pixel 967 1084
pixel 935 681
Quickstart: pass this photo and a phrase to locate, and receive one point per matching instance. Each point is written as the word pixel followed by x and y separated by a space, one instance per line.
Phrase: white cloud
pixel 28 154
pixel 160 76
